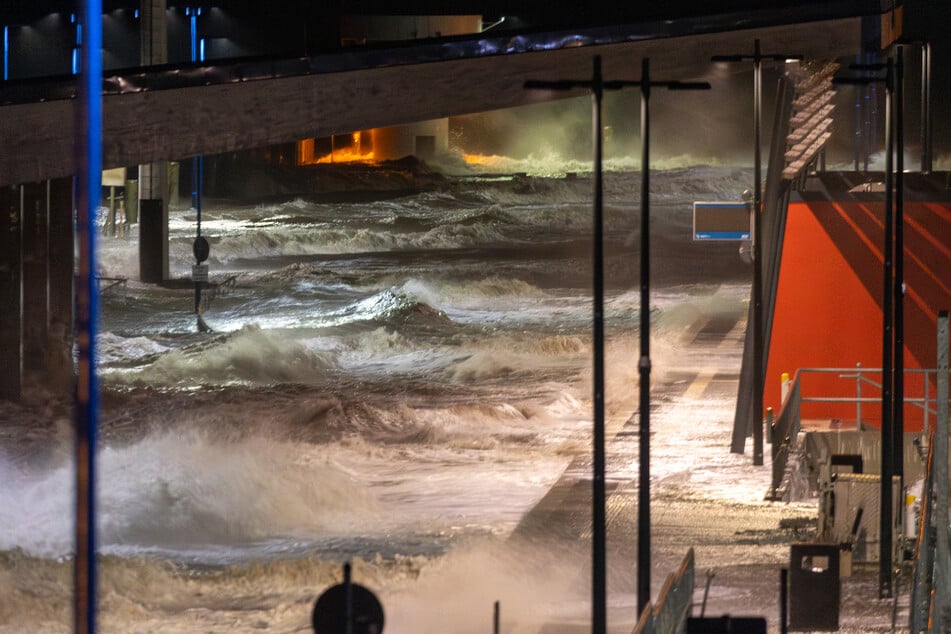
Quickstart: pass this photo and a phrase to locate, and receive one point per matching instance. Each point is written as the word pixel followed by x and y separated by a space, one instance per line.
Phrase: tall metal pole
pixel 197 169
pixel 926 107
pixel 890 447
pixel 757 261
pixel 758 327
pixel 644 364
pixel 598 547
pixel 599 585
pixel 898 381
pixel 598 561
pixel 888 467
pixel 88 186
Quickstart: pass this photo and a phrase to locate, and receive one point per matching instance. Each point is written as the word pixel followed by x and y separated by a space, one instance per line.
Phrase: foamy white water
pixel 394 383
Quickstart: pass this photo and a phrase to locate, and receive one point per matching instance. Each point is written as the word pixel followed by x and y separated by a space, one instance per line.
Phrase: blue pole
pixel 194 38
pixel 6 53
pixel 89 183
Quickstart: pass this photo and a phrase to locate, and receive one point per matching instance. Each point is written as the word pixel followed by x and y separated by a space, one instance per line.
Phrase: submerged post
pixel 88 183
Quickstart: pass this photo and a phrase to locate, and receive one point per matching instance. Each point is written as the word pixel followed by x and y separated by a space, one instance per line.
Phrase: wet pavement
pixel 702 497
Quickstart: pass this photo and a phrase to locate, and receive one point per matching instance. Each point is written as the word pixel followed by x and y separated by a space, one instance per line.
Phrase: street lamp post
pixel 598 548
pixel 758 322
pixel 597 85
pixel 644 362
pixel 891 288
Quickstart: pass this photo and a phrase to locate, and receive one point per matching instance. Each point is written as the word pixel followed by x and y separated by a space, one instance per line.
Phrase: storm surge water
pixel 394 383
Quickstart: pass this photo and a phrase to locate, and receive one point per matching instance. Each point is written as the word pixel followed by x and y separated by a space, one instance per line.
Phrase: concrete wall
pixel 828 307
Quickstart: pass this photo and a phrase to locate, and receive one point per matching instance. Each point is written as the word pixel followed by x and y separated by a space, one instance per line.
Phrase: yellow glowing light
pixel 358 148
pixel 346 155
pixel 482 159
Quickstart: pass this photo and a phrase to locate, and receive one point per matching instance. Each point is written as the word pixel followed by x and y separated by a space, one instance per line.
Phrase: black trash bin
pixel 814 587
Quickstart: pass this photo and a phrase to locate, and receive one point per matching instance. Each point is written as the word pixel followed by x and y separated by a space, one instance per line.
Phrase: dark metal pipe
pixel 898 382
pixel 757 259
pixel 597 85
pixel 598 563
pixel 888 469
pixel 644 364
pixel 926 107
pixel 857 139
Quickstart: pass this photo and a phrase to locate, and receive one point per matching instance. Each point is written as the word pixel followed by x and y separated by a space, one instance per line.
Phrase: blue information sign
pixel 721 221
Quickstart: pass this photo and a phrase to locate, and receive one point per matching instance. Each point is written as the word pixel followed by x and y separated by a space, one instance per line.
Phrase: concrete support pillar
pixel 11 323
pixel 153 240
pixel 154 30
pixel 36 310
pixel 424 140
pixel 59 359
pixel 153 178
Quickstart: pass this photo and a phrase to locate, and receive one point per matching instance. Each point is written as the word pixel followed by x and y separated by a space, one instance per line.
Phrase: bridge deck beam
pixel 171 124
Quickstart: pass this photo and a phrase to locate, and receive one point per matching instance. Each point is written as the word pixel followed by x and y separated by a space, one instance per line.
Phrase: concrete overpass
pixel 170 113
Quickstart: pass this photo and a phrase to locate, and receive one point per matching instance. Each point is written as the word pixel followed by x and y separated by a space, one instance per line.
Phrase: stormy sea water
pixel 391 382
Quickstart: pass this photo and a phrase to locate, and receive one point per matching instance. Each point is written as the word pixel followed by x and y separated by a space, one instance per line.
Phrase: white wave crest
pixel 250 355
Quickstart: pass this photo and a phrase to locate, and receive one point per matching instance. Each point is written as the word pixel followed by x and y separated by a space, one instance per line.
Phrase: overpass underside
pixel 171 113
pixel 174 113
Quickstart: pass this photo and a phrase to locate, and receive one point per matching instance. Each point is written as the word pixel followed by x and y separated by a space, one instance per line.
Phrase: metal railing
pixel 786 426
pixel 669 615
pixel 926 402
